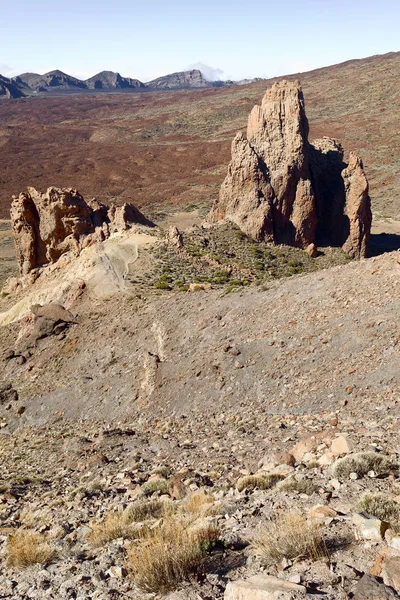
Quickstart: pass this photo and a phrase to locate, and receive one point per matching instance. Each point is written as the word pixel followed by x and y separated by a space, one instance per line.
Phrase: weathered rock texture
pixel 280 188
pixel 45 226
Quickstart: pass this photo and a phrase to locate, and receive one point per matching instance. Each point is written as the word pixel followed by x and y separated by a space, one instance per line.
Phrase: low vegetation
pixel 262 481
pixel 289 536
pixel 155 484
pixel 26 548
pixel 165 556
pixel 381 506
pixel 301 486
pixel 362 463
pixel 226 258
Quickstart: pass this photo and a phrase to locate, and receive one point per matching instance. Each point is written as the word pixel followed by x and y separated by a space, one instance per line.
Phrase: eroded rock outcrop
pixel 45 226
pixel 280 188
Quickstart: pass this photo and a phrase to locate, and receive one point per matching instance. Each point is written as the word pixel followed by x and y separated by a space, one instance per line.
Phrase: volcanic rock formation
pixel 45 226
pixel 280 188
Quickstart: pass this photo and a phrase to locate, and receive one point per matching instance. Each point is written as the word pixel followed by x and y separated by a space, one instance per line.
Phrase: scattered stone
pixel 7 393
pixel 369 528
pixel 263 587
pixel 312 250
pixel 340 445
pixel 369 588
pixel 391 572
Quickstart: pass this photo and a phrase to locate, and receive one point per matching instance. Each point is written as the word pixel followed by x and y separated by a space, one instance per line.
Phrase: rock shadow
pixel 379 243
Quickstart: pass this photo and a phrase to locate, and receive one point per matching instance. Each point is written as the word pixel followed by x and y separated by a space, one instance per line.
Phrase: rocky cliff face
pixel 281 188
pixel 45 226
pixel 180 80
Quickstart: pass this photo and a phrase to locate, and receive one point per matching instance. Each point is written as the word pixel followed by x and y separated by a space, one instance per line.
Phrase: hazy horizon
pixel 225 40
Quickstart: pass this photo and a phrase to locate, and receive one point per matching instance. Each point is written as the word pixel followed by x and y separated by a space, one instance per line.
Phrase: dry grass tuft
pixel 259 480
pixel 289 536
pixel 363 462
pixel 381 506
pixel 170 554
pixel 125 523
pixel 200 504
pixel 26 548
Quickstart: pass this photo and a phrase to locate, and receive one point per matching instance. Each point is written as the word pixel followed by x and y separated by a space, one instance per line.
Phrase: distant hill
pixel 8 89
pixel 108 80
pixel 52 80
pixel 105 81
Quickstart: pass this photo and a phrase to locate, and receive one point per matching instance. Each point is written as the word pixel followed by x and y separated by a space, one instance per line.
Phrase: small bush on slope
pixel 167 555
pixel 26 548
pixel 259 480
pixel 289 536
pixel 381 506
pixel 361 463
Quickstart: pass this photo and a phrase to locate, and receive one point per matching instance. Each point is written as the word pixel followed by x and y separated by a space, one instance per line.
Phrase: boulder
pixel 391 572
pixel 45 226
pixel 368 527
pixel 7 393
pixel 280 188
pixel 263 587
pixel 370 588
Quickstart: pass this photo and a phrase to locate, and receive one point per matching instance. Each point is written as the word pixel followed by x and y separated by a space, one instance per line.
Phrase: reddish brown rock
pixel 45 226
pixel 281 188
pixel 358 208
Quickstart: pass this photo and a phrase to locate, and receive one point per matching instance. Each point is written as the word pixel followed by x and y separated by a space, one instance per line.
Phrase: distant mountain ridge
pixel 27 84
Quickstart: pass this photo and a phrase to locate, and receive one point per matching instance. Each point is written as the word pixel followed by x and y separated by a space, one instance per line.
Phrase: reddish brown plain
pixel 161 150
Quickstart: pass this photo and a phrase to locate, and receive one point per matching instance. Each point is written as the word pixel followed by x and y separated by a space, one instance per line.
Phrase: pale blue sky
pixel 147 39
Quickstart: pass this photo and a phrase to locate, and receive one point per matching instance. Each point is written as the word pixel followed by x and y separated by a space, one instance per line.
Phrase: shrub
pixel 156 484
pixel 259 480
pixel 146 509
pixel 162 285
pixel 27 548
pixel 361 463
pixel 381 506
pixel 291 484
pixel 289 536
pixel 168 555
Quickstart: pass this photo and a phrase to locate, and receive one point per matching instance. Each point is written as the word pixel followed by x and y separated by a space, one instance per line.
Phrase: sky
pixel 225 39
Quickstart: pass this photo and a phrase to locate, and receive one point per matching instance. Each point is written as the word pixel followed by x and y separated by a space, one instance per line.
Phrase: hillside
pixel 229 407
pixel 172 148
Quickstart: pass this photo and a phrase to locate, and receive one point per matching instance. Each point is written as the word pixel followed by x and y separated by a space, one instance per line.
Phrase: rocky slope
pixel 189 393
